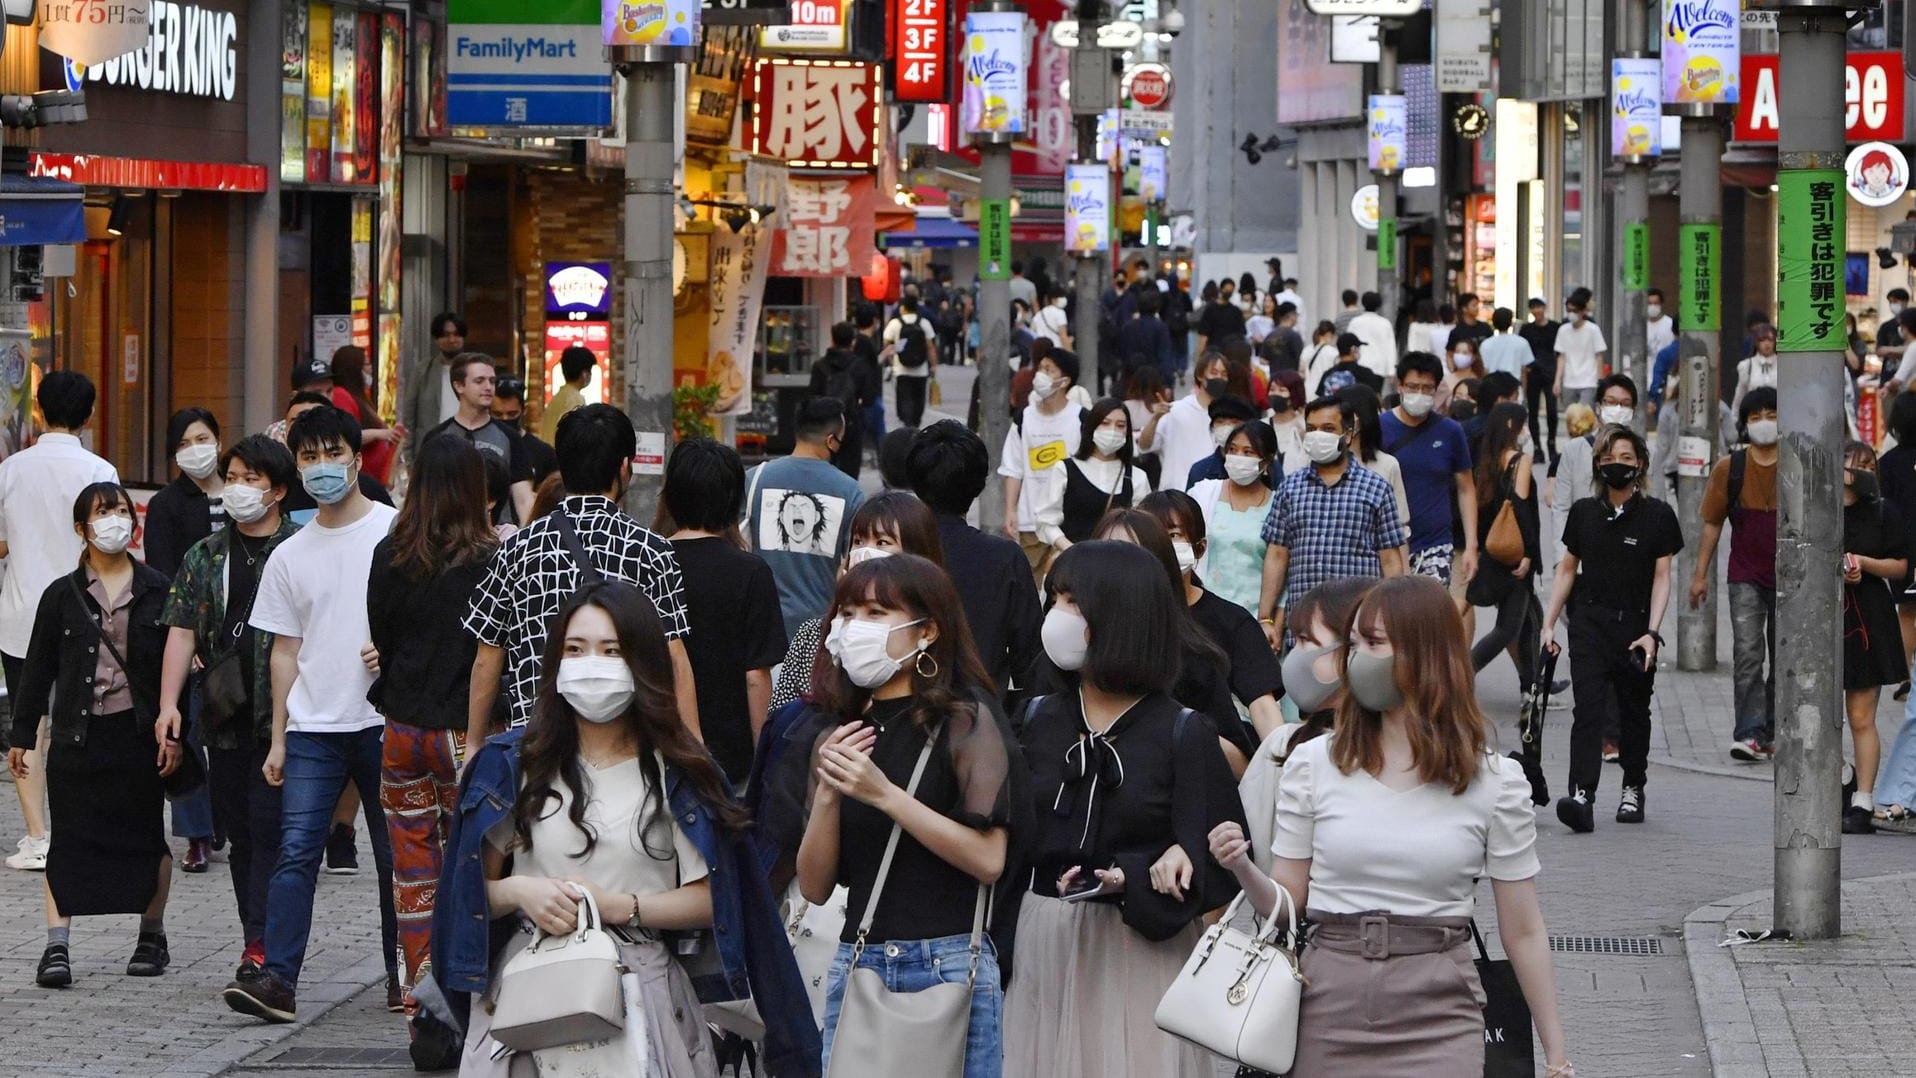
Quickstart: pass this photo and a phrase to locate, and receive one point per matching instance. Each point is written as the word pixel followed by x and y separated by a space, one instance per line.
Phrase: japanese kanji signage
pixel 93 33
pixel 1699 261
pixel 817 113
pixel 739 264
pixel 994 239
pixel 827 228
pixel 1810 213
pixel 921 51
pixel 1636 256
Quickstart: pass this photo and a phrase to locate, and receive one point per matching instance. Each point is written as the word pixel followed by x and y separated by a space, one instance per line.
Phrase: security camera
pixel 1172 22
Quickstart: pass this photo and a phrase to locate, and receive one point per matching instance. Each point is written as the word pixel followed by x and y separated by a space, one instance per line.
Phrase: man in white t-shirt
pixel 38 486
pixel 1053 322
pixel 1379 353
pixel 1048 431
pixel 1580 350
pixel 914 343
pixel 312 598
pixel 1289 295
pixel 1659 329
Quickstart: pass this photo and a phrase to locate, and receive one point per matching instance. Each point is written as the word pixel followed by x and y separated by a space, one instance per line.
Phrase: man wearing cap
pixel 1350 369
pixel 1379 339
pixel 312 376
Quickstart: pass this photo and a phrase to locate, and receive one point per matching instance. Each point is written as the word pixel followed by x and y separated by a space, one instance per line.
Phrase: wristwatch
pixel 633 921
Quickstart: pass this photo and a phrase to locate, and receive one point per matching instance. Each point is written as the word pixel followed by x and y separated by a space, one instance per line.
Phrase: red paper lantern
pixel 883 283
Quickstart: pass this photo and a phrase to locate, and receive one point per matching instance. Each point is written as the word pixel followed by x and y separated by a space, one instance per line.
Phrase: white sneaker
pixel 32 855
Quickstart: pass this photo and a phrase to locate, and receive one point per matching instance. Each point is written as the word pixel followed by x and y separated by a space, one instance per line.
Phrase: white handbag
pixel 562 989
pixel 1239 993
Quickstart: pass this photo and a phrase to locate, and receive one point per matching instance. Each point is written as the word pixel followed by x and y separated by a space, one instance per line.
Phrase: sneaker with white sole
pixel 1575 812
pixel 1748 752
pixel 31 855
pixel 1630 808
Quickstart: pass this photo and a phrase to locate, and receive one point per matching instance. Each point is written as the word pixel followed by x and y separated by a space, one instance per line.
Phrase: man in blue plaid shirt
pixel 1334 519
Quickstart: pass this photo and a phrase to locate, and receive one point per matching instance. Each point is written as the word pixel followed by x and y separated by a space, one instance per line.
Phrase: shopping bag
pixel 937 394
pixel 1507 1048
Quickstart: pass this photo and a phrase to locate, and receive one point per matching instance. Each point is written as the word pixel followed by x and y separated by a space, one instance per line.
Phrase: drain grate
pixel 1641 946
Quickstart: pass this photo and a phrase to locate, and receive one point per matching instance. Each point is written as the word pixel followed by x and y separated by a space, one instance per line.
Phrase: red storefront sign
pixel 921 50
pixel 828 227
pixel 96 171
pixel 1873 96
pixel 817 113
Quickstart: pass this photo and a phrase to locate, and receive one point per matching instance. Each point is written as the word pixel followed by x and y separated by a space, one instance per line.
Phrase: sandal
pixel 1896 818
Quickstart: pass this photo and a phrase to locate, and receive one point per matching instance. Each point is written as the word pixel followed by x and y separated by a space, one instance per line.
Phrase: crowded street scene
pixel 958 538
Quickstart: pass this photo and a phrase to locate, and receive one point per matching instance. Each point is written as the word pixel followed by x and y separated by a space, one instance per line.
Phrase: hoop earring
pixel 919 666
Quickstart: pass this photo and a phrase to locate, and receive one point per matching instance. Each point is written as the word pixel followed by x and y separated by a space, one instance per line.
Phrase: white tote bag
pixel 1239 993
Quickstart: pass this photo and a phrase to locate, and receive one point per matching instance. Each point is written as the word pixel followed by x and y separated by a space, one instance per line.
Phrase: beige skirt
pixel 1403 1016
pixel 1086 995
pixel 666 1003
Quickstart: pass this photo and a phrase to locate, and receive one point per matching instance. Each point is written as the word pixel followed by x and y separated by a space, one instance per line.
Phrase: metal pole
pixel 1091 268
pixel 994 304
pixel 1700 304
pixel 1388 274
pixel 1633 213
pixel 651 103
pixel 1809 485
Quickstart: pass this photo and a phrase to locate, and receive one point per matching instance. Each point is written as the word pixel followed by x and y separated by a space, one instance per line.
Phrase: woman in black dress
pixel 1876 556
pixel 1504 478
pixel 98 639
pixel 1099 478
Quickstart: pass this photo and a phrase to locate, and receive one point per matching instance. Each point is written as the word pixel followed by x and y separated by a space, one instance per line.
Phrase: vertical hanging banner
pixel 1699 258
pixel 1152 173
pixel 319 92
pixel 1389 132
pixel 292 94
pixel 1087 208
pixel 1636 108
pixel 995 74
pixel 345 45
pixel 1810 222
pixel 921 51
pixel 827 228
pixel 1387 243
pixel 740 261
pixel 1636 256
pixel 1702 51
pixel 994 239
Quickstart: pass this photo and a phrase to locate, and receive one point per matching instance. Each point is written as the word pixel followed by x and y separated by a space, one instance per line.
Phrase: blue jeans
pixel 193 814
pixel 318 767
pixel 1897 786
pixel 915 965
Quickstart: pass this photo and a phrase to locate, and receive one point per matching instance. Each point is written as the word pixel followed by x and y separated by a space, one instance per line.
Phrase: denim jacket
pixel 753 952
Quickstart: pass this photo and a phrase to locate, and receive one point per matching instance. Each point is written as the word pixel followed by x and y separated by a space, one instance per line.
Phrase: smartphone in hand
pixel 1086 885
pixel 1641 658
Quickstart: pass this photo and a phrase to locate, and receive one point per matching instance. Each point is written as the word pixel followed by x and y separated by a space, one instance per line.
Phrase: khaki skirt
pixel 1085 999
pixel 1390 996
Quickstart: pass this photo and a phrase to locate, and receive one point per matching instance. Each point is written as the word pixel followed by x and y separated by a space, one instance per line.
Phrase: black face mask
pixel 1216 387
pixel 1863 485
pixel 1617 476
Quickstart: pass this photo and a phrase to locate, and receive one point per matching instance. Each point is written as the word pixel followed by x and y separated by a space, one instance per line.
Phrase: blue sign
pixel 527 75
pixel 36 211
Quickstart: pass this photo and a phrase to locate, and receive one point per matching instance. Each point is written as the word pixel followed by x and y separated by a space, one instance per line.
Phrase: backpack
pixel 914 348
pixel 841 382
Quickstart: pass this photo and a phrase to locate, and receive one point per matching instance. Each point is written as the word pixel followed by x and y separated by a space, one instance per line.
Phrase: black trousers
pixel 1540 391
pixel 911 398
pixel 246 807
pixel 1609 689
pixel 1519 619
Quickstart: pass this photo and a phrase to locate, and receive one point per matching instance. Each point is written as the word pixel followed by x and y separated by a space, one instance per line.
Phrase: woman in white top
pixel 1147 401
pixel 1262 321
pixel 1759 369
pixel 1321 356
pixel 1423 321
pixel 1100 478
pixel 1393 819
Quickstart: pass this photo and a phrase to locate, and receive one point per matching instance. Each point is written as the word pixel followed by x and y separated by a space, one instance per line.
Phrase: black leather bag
pixel 224 698
pixel 1508 1052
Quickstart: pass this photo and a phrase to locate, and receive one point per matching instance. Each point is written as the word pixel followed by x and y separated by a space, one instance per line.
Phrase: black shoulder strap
pixel 588 572
pixel 1739 463
pixel 142 707
pixel 1416 433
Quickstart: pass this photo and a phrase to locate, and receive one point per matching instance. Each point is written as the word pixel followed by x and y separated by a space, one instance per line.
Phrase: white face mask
pixel 1012 362
pixel 1895 309
pixel 1577 317
pixel 1060 302
pixel 243 503
pixel 861 554
pixel 1220 435
pixel 1616 414
pixel 111 535
pixel 599 687
pixel 1763 432
pixel 1065 639
pixel 1243 470
pixel 1108 440
pixel 1043 385
pixel 864 651
pixel 199 460
pixel 1462 360
pixel 1322 446
pixel 1417 405
pixel 1186 555
pixel 1653 311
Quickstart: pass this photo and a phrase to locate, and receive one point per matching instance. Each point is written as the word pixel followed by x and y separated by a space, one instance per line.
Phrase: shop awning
pixel 932 232
pixel 36 211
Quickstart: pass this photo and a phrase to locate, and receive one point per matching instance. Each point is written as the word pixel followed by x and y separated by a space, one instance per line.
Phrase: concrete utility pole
pixel 651 106
pixel 1809 475
pixel 1699 321
pixel 1092 92
pixel 1633 221
pixel 994 296
pixel 1388 273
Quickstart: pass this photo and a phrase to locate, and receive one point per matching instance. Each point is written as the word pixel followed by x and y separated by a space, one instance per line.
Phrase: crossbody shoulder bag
pixel 190 775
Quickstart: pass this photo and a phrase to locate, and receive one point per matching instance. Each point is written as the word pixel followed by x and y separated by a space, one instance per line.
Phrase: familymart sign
pixel 527 64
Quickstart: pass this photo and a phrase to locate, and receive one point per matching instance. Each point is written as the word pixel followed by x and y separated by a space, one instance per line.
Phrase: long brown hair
pixel 1503 435
pixel 903 517
pixel 349 374
pixel 1446 728
pixel 919 588
pixel 443 524
pixel 549 754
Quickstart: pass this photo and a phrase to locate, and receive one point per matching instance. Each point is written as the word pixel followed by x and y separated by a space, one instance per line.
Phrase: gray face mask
pixel 1373 681
pixel 1300 679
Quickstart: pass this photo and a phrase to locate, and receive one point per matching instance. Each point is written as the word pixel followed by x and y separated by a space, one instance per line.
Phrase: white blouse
pixel 1106 475
pixel 619 861
pixel 1417 852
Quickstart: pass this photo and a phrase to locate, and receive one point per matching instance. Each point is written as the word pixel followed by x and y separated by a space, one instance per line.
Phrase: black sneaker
pixel 1630 809
pixel 395 995
pixel 1575 812
pixel 342 855
pixel 1857 821
pixel 150 956
pixel 56 967
pixel 264 996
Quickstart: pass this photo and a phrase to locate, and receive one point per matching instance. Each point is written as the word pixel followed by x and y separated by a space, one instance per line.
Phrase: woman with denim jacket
pixel 109 855
pixel 903 700
pixel 592 816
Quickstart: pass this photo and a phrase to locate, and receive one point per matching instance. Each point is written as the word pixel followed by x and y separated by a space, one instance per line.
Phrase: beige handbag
pixel 562 989
pixel 1504 541
pixel 884 1034
pixel 1239 993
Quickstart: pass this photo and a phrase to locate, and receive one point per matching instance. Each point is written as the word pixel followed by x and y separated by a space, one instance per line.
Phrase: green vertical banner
pixel 1699 276
pixel 1387 243
pixel 994 239
pixel 1809 260
pixel 1636 257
